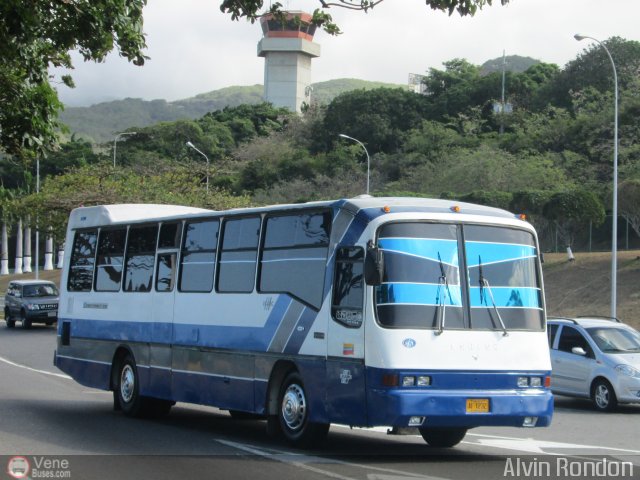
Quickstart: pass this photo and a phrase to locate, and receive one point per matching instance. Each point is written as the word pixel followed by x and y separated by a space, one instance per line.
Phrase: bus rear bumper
pixel 411 408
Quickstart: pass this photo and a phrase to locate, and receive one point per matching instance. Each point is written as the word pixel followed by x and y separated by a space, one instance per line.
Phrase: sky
pixel 194 48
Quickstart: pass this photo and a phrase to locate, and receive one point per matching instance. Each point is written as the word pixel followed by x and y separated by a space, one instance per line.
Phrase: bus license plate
pixel 477 405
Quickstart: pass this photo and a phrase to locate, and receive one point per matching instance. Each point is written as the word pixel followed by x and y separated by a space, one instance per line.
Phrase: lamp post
pixel 614 228
pixel 365 151
pixel 115 141
pixel 37 275
pixel 191 145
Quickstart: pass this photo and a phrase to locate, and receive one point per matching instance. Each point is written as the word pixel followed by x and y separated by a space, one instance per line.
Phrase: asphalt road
pixel 51 421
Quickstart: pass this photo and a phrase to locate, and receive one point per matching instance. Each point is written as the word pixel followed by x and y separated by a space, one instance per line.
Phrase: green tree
pixel 378 118
pixel 37 35
pixel 251 9
pixel 98 184
pixel 572 210
pixel 629 203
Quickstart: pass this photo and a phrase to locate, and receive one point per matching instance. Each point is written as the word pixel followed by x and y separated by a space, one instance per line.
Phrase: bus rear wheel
pixel 127 387
pixel 441 437
pixel 127 393
pixel 293 414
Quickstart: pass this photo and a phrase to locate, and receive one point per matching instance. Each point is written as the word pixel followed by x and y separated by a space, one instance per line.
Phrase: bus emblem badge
pixel 409 342
pixel 268 303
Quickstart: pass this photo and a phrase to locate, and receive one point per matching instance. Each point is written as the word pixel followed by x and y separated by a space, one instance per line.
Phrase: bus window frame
pixel 182 251
pixel 263 235
pixel 220 251
pixel 127 256
pixel 71 256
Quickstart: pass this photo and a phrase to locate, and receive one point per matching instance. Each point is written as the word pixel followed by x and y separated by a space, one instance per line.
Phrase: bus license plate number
pixel 477 405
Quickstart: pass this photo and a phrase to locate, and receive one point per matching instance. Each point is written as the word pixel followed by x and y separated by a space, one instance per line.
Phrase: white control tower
pixel 287 48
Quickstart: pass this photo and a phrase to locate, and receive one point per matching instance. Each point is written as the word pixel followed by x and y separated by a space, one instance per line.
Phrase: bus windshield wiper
pixel 442 301
pixel 484 283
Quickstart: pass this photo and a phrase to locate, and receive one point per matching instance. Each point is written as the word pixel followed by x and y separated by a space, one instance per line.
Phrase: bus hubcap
pixel 127 383
pixel 294 407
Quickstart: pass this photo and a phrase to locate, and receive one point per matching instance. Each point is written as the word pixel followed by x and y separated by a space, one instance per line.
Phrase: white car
pixel 595 358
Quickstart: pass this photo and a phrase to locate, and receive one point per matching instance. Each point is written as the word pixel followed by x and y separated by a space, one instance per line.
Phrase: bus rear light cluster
pixel 416 381
pixel 393 380
pixel 535 382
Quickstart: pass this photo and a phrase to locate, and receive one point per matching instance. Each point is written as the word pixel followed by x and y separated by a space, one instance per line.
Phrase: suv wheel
pixel 7 318
pixel 603 395
pixel 26 323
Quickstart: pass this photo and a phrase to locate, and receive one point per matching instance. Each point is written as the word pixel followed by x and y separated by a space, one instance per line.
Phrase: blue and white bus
pixel 399 312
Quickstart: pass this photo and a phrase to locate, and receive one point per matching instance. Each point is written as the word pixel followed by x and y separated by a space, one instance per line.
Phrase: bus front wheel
pixel 293 414
pixel 442 437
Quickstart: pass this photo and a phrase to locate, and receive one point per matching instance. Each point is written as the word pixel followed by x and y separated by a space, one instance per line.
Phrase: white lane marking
pixel 301 460
pixel 531 445
pixel 288 458
pixel 13 364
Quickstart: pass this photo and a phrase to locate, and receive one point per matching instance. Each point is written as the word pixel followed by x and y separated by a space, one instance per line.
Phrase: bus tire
pixel 127 388
pixel 293 414
pixel 442 437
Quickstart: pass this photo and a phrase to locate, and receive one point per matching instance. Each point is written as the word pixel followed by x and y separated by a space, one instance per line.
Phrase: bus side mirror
pixel 373 265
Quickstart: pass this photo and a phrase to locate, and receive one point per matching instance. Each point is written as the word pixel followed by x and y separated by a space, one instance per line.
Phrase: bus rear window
pixel 83 257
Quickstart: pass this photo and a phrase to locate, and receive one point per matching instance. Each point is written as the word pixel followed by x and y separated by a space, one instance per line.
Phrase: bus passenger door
pixel 160 356
pixel 346 386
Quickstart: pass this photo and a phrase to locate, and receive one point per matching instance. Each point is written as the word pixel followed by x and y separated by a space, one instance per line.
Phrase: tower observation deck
pixel 287 47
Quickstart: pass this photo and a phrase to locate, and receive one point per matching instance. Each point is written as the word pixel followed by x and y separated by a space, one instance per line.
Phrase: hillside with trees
pixel 553 160
pixel 97 123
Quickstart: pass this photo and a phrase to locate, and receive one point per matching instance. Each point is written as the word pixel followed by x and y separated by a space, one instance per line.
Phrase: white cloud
pixel 194 48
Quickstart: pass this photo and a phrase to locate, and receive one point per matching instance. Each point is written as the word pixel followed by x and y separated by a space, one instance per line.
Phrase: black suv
pixel 31 301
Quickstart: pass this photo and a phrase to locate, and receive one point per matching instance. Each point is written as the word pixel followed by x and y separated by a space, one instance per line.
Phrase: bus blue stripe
pixel 506 297
pixel 496 252
pixel 421 294
pixel 424 247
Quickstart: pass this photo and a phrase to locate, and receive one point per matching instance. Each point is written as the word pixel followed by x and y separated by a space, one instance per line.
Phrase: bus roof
pixel 84 217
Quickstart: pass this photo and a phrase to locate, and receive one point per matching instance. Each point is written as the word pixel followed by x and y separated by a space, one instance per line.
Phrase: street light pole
pixel 115 141
pixel 365 151
pixel 191 145
pixel 37 226
pixel 614 228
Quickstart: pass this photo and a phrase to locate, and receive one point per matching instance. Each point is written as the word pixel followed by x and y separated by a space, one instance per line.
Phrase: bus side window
pixel 167 261
pixel 348 287
pixel 294 256
pixel 239 252
pixel 166 274
pixel 141 252
pixel 83 258
pixel 110 259
pixel 198 259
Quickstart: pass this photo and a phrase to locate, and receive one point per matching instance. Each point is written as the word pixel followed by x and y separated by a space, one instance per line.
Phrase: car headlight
pixel 32 306
pixel 628 370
